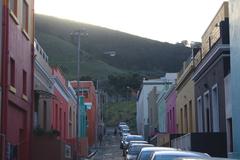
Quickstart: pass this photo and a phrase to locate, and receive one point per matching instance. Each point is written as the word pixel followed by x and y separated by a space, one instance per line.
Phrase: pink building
pixel 171 110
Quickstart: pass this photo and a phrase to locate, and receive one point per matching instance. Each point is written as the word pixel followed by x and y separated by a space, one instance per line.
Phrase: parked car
pixel 131 138
pixel 121 124
pixel 137 142
pixel 172 155
pixel 122 138
pixel 210 158
pixel 135 149
pixel 123 127
pixel 124 130
pixel 146 153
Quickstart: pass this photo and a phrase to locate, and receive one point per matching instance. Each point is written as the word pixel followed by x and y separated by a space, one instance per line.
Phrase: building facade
pixel 153 111
pixel 210 72
pixel 142 105
pixel 43 89
pixel 235 75
pixel 17 78
pixel 170 99
pixel 87 90
pixel 59 117
pixel 185 101
pixel 72 112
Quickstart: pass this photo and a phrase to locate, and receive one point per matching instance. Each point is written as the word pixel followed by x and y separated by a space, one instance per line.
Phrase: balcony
pixel 210 58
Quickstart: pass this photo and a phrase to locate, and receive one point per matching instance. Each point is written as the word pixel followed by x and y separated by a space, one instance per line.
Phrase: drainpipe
pixel 32 78
pixel 5 56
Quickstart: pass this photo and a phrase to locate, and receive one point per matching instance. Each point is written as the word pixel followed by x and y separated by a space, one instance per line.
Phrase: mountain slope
pixel 133 53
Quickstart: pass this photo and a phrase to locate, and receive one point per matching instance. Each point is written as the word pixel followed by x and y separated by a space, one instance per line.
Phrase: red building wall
pixel 17 106
pixel 59 118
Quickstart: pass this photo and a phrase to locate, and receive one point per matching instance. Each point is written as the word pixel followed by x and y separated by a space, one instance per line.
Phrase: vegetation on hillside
pixel 120 112
pixel 133 53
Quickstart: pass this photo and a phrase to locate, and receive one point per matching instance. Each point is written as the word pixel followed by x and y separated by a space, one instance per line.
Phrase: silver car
pixel 135 149
pixel 146 153
pixel 172 155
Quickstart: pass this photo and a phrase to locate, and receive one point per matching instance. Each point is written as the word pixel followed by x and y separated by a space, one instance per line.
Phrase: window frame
pixel 25 12
pixel 13 10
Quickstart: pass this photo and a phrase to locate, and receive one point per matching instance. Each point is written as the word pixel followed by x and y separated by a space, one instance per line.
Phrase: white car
pixel 146 153
pixel 172 155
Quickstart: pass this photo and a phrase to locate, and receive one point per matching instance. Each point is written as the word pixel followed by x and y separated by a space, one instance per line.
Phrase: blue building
pixel 235 74
pixel 82 118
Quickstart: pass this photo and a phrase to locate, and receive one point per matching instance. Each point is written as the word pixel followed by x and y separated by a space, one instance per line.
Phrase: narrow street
pixel 109 150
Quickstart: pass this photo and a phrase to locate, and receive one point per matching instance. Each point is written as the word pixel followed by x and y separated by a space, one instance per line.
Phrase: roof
pixel 157 148
pixel 182 153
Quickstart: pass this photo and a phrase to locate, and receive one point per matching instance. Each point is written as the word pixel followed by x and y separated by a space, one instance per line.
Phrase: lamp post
pixel 78 34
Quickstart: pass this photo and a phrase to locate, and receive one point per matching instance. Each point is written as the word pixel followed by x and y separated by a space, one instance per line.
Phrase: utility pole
pixel 78 34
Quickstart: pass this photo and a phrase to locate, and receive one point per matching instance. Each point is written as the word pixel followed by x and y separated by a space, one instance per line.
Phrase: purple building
pixel 171 110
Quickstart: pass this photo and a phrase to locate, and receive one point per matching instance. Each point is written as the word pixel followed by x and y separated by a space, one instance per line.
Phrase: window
pixel 64 124
pixel 13 6
pixel 215 109
pixel 25 16
pixel 60 120
pixel 24 82
pixel 44 114
pixel 56 116
pixel 181 114
pixel 229 134
pixel 209 42
pixel 12 72
pixel 186 118
pixel 70 114
pixel 190 117
pixel 207 114
pixel 200 114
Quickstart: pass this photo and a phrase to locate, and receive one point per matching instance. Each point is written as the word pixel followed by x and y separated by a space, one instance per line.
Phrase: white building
pixel 142 100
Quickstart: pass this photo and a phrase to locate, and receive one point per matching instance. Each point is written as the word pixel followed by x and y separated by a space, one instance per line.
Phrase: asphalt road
pixel 109 150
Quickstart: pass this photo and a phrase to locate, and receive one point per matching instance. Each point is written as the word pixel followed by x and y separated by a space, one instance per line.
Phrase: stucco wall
pixel 171 111
pixel 215 75
pixel 185 94
pixel 235 74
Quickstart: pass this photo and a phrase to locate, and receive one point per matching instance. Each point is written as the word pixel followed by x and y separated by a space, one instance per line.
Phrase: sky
pixel 163 20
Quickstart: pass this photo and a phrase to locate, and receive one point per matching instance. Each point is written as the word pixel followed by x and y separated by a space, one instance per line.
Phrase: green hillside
pixel 121 112
pixel 63 54
pixel 133 53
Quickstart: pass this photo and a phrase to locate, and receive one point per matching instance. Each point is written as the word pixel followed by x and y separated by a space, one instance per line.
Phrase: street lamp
pixel 78 34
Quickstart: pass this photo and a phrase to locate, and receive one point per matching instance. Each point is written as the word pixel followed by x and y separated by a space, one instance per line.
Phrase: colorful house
pixel 212 66
pixel 59 117
pixel 17 78
pixel 153 112
pixel 185 102
pixel 87 90
pixel 170 99
pixel 72 112
pixel 167 82
pixel 235 76
pixel 43 89
pixel 142 105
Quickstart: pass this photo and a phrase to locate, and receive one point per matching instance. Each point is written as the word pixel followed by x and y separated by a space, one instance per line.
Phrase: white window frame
pixel 215 109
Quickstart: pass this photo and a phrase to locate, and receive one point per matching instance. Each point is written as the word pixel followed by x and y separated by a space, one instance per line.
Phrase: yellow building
pixel 185 103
